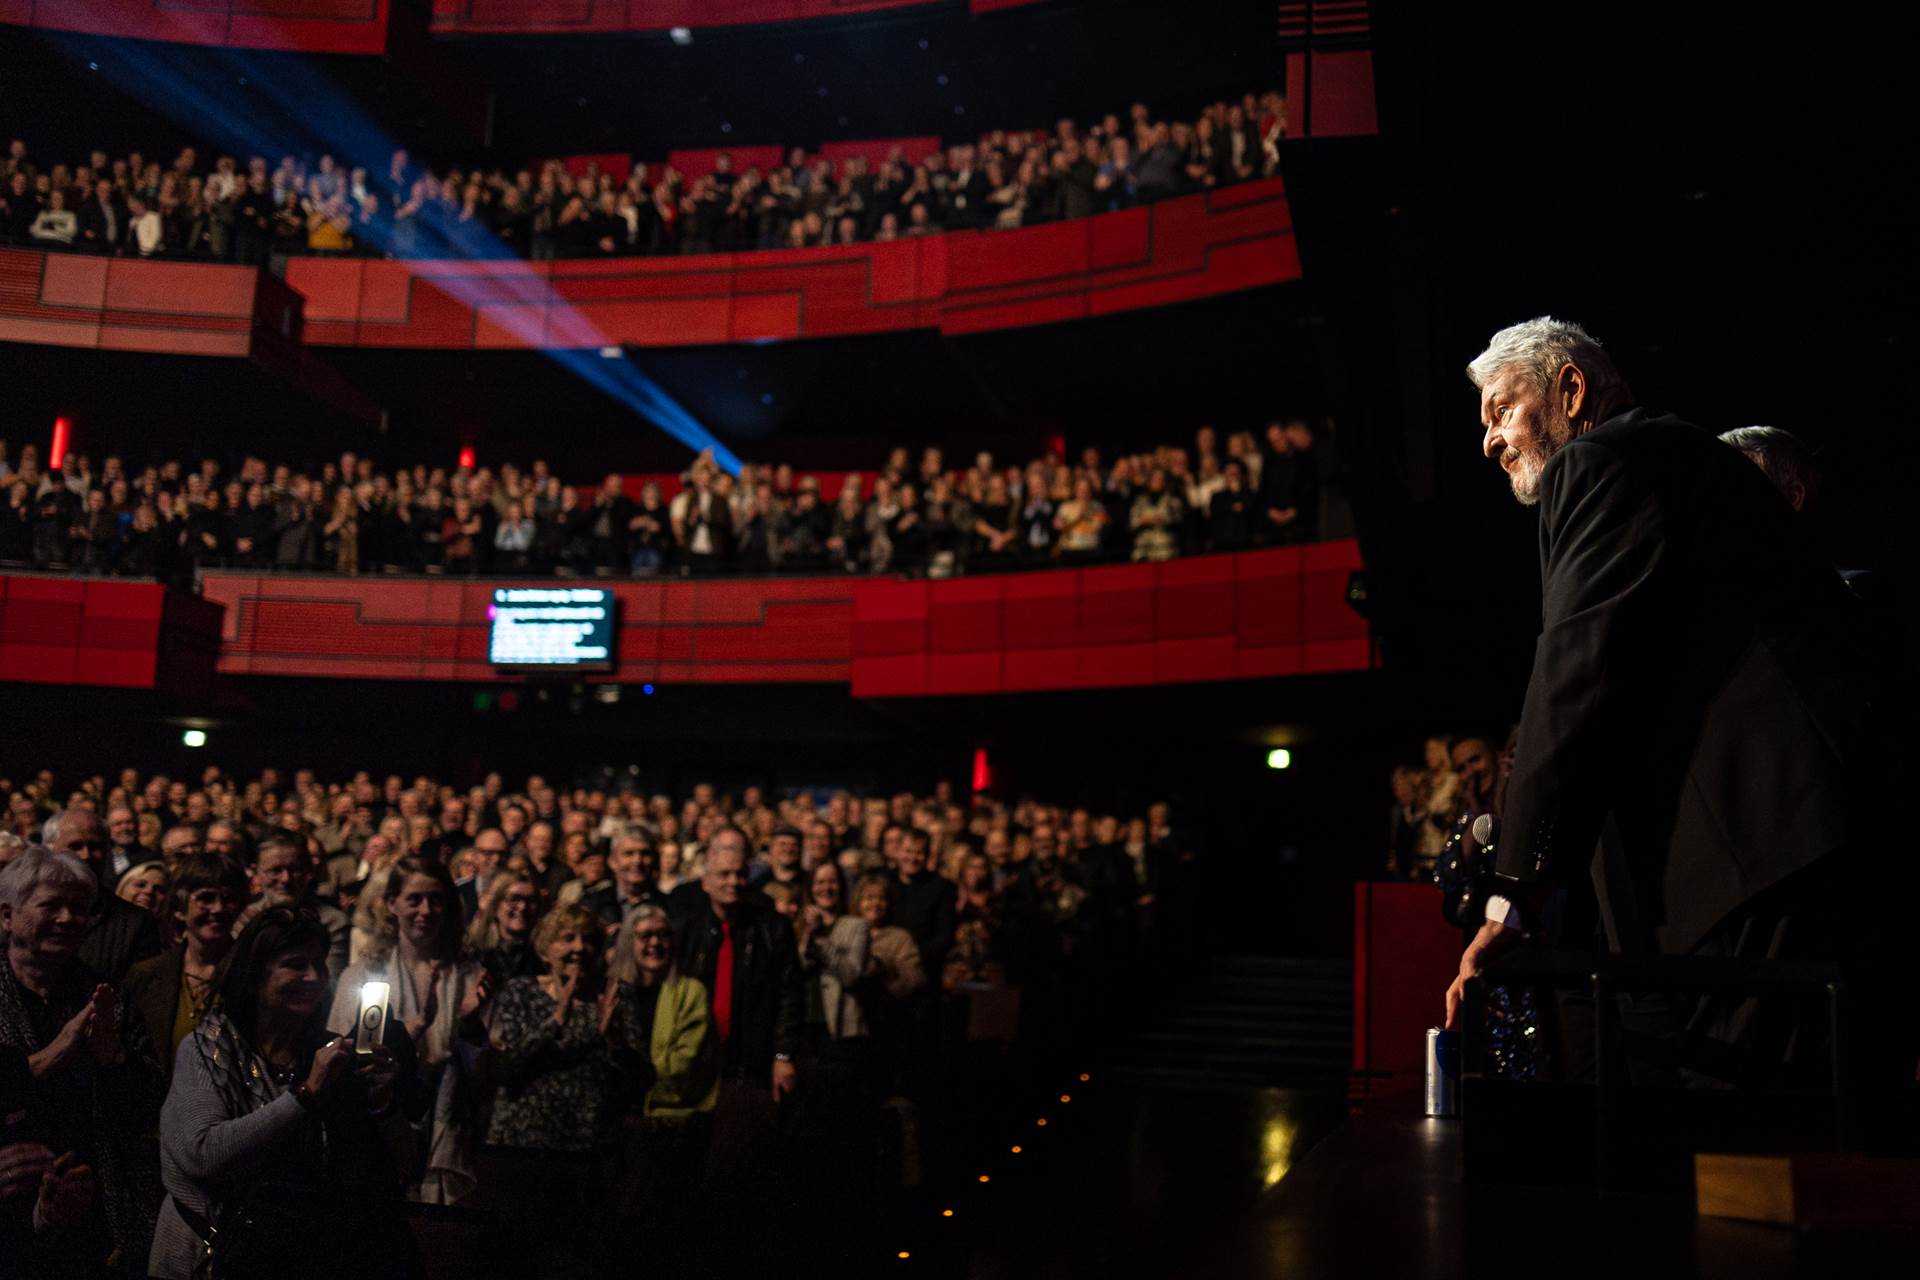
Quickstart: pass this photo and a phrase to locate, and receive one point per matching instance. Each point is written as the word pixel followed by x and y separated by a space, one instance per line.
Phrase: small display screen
pixel 551 627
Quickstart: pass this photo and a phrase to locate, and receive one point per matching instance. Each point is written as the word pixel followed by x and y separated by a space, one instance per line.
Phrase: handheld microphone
pixel 1486 830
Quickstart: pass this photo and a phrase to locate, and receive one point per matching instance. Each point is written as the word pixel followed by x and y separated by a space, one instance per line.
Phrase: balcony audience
pixel 998 180
pixel 175 518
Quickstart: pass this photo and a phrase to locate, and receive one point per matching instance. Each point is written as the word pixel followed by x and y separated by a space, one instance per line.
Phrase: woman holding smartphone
pixel 275 1137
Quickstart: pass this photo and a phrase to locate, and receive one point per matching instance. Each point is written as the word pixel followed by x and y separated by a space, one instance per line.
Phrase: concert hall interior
pixel 954 638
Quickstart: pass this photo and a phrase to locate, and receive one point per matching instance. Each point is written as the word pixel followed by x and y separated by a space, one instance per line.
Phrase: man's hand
pixel 1493 941
pixel 784 1079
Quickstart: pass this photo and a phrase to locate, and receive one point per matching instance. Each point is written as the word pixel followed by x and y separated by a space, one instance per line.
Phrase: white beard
pixel 1526 477
pixel 1529 464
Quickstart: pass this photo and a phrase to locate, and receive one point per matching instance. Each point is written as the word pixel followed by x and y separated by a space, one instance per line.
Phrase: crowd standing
pixel 628 1023
pixel 235 210
pixel 169 520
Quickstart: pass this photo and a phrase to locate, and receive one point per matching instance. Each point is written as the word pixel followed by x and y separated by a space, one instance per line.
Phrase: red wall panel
pixel 585 16
pixel 1339 85
pixel 313 26
pixel 1106 627
pixel 135 635
pixel 616 165
pixel 1404 954
pixel 126 304
pixel 1103 627
pixel 875 150
pixel 959 283
pixel 701 162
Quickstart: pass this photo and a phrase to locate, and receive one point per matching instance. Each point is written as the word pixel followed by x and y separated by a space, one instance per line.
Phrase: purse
pixel 270 1230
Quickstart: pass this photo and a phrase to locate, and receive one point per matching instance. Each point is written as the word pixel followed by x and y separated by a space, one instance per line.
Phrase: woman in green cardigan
pixel 671 1017
pixel 670 1125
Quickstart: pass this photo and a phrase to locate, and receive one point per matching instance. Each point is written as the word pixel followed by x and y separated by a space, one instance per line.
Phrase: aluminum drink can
pixel 1443 1072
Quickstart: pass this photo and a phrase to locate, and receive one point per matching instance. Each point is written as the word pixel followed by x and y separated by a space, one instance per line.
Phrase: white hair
pixel 38 866
pixel 1542 347
pixel 51 829
pixel 1780 454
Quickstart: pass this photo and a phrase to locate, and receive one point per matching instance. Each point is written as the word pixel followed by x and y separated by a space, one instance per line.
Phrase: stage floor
pixel 1157 1180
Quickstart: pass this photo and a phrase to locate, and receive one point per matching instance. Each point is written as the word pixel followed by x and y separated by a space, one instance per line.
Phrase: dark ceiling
pixel 504 100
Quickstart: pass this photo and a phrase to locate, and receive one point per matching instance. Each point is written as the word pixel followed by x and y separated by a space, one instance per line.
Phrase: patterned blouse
pixel 562 1084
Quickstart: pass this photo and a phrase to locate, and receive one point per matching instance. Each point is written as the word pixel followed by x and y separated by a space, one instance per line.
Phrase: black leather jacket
pixel 769 1002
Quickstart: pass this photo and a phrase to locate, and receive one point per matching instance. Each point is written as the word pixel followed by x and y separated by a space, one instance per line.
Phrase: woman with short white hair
pixel 68 1068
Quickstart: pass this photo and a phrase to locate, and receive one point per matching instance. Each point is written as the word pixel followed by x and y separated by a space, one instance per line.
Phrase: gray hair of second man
pixel 1542 347
pixel 40 866
pixel 1780 454
pixel 53 828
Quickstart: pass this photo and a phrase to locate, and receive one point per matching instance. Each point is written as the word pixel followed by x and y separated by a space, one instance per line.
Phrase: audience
pixel 172 519
pixel 664 1041
pixel 1001 179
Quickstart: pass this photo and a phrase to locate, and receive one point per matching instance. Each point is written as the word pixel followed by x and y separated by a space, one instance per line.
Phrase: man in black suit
pixel 103 220
pixel 489 853
pixel 125 851
pixel 121 933
pixel 1697 708
pixel 924 902
pixel 745 956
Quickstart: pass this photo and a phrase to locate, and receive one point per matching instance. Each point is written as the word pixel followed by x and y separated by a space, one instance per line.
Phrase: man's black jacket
pixel 606 903
pixel 925 907
pixel 122 934
pixel 1699 692
pixel 769 1001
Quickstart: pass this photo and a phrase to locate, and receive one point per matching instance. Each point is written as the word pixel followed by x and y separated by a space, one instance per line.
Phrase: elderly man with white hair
pixel 1700 708
pixel 122 933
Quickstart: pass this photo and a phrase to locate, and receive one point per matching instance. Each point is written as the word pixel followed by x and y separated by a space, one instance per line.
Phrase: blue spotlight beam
pixel 315 117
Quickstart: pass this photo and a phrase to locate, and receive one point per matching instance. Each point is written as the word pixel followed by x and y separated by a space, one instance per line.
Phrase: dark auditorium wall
pixel 1134 380
pixel 643 95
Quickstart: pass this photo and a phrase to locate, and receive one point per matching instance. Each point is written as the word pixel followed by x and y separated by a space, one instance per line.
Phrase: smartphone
pixel 371 1028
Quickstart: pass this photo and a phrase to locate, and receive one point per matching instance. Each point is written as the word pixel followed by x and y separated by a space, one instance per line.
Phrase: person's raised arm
pixel 204 1141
